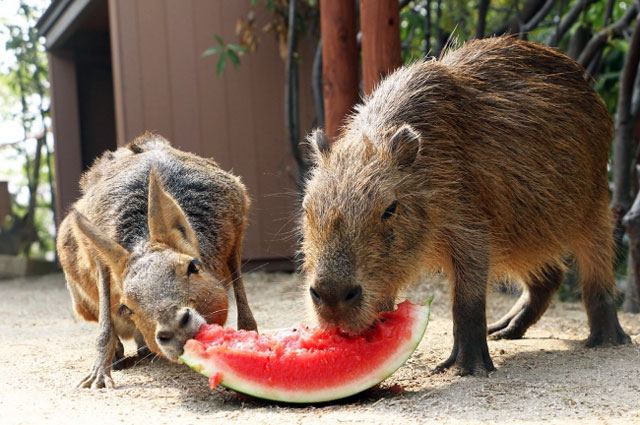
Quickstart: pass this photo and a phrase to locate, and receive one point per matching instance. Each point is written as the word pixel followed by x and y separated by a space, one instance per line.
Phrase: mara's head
pixel 164 286
pixel 362 225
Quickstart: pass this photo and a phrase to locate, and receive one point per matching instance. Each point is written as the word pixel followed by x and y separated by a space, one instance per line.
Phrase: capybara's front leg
pixel 470 354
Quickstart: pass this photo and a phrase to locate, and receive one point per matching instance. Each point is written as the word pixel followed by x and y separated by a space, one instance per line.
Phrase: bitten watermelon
pixel 307 365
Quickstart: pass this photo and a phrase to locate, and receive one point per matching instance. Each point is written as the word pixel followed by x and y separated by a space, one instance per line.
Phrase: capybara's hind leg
pixel 535 298
pixel 595 263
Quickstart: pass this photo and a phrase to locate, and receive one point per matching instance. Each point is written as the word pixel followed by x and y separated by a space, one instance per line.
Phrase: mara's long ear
pixel 405 144
pixel 318 146
pixel 167 222
pixel 110 251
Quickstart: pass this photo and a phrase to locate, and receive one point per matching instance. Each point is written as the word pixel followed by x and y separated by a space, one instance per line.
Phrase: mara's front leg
pixel 100 375
pixel 245 316
pixel 469 276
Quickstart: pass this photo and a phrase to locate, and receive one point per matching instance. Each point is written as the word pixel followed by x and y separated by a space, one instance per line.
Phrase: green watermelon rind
pixel 230 380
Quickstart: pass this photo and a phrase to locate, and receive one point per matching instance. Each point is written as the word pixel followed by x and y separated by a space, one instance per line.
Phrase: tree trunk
pixel 381 51
pixel 632 291
pixel 626 119
pixel 623 149
pixel 339 62
pixel 483 8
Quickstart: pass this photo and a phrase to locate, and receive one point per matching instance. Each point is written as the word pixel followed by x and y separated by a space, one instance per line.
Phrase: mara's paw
pixel 100 377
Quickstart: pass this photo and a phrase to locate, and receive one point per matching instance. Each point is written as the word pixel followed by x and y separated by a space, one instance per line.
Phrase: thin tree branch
pixel 529 9
pixel 568 21
pixel 538 17
pixel 596 62
pixel 615 30
pixel 292 107
pixel 608 12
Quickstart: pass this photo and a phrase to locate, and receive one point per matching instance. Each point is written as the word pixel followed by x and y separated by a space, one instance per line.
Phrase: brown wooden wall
pixel 163 84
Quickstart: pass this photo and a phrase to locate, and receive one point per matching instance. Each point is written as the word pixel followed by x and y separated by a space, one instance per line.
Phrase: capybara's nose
pixel 333 295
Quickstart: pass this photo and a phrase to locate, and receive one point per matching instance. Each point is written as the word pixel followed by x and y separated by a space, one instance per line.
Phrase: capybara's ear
pixel 110 251
pixel 167 222
pixel 318 146
pixel 405 144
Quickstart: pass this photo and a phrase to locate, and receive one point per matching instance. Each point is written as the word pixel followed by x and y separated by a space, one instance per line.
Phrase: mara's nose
pixel 164 336
pixel 330 294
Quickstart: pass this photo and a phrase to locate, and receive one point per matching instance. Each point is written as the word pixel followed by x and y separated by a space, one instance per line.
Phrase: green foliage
pixel 226 50
pixel 24 91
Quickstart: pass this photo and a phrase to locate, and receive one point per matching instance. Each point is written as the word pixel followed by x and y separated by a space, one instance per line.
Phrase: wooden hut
pixel 119 68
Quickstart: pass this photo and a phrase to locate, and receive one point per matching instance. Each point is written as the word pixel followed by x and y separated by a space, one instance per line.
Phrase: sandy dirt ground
pixel 546 377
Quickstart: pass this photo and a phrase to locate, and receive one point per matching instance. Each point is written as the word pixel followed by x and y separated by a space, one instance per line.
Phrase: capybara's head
pixel 362 225
pixel 162 286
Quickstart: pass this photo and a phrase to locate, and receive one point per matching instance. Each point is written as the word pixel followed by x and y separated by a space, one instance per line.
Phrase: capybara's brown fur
pixel 151 248
pixel 489 163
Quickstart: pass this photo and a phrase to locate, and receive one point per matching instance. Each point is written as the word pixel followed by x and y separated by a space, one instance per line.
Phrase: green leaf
pixel 234 58
pixel 220 40
pixel 254 2
pixel 211 51
pixel 237 48
pixel 222 60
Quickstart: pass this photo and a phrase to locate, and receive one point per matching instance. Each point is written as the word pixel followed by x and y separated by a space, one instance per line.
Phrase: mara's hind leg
pixel 535 298
pixel 594 256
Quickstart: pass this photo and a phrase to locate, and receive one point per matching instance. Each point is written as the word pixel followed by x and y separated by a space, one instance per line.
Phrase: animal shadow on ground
pixel 548 376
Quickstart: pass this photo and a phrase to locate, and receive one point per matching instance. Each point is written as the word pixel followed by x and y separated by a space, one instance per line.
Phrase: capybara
pixel 489 163
pixel 150 249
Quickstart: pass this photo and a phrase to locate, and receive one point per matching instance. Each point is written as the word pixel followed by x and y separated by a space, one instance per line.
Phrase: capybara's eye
pixel 194 267
pixel 391 209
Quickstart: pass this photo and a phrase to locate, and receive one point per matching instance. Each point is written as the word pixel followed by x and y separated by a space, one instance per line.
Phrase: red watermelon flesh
pixel 307 365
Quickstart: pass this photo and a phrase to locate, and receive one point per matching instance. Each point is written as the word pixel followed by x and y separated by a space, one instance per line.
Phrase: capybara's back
pixel 489 163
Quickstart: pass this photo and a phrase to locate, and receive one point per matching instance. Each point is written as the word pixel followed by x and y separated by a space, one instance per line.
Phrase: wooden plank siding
pixel 66 119
pixel 163 84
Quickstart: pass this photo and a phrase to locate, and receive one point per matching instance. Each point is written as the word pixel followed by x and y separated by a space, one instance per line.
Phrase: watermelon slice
pixel 307 365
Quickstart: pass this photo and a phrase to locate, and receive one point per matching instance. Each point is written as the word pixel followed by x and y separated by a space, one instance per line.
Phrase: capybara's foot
pixel 603 335
pixel 475 361
pixel 533 302
pixel 603 318
pixel 511 326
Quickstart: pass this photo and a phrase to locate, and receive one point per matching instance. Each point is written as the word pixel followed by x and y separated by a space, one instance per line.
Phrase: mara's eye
pixel 194 267
pixel 390 211
pixel 123 310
